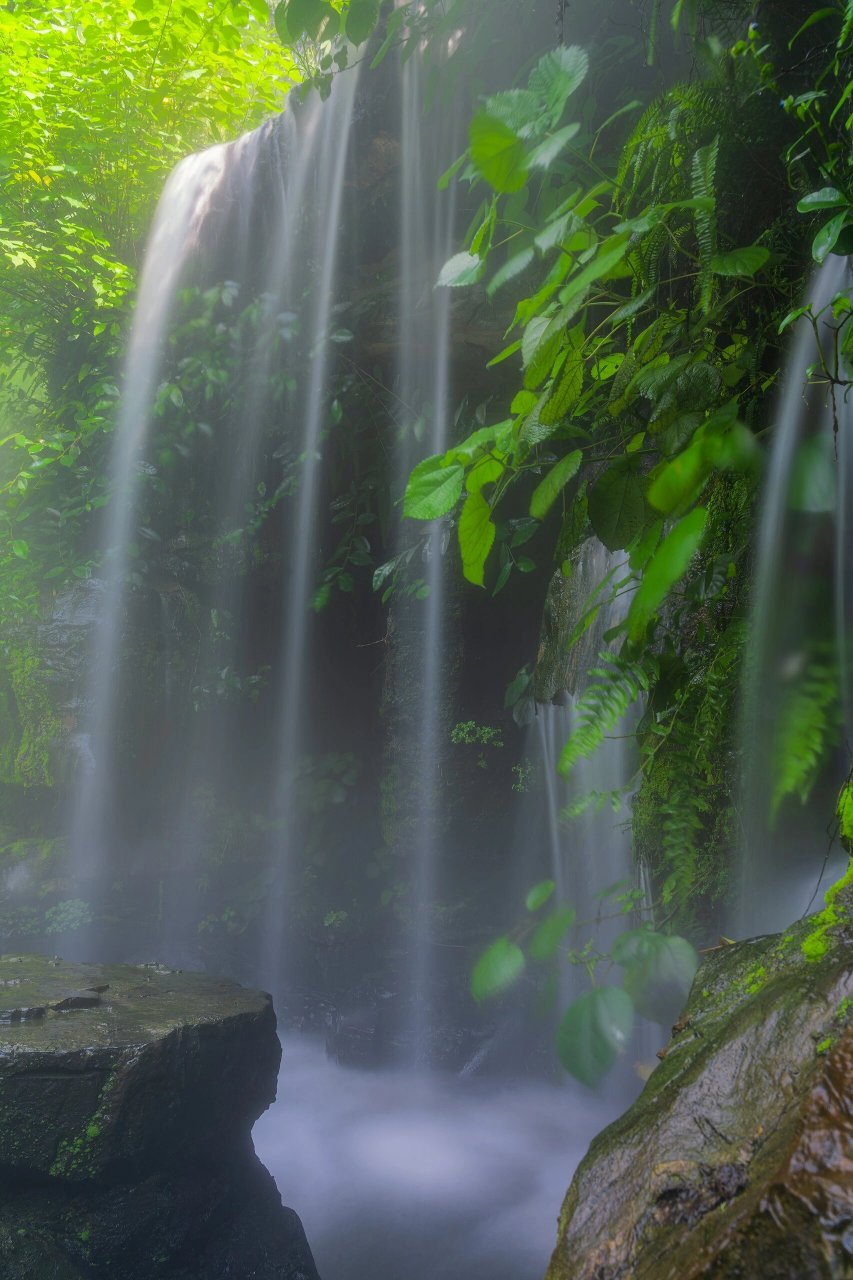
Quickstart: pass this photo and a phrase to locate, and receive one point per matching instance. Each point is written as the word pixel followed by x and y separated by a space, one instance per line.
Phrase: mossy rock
pixel 734 1161
pixel 113 1070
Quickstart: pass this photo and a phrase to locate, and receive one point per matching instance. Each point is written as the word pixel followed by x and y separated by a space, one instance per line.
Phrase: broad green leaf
pixel 792 316
pixel 21 549
pixel 433 488
pixel 499 967
pixel 826 198
pixel 556 76
pixel 740 262
pixel 362 17
pixel 550 933
pixel 476 537
pixel 543 156
pixel 512 267
pixel 497 153
pixel 462 269
pixel 306 17
pixel 594 1031
pixel 539 895
pixel 486 470
pixel 611 252
pixel 827 238
pixel 680 481
pixel 667 567
pixel 659 976
pixel 548 490
pixel 632 946
pixel 617 507
pixel 280 21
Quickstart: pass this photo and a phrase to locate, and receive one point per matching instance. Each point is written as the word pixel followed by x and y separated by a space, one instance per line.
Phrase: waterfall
pixel 264 212
pixel 799 643
pixel 423 379
pixel 184 205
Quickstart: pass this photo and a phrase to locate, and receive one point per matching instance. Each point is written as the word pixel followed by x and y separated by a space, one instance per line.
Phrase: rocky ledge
pixel 736 1161
pixel 127 1097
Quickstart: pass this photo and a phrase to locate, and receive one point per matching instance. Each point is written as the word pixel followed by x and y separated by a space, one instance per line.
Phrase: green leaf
pixel 543 156
pixel 658 977
pixel 497 153
pixel 280 21
pixel 826 198
pixel 827 238
pixel 666 567
pixel 550 933
pixel 593 1032
pixel 792 316
pixel 499 967
pixel 512 267
pixel 556 76
pixel 740 262
pixel 539 895
pixel 617 507
pixel 607 258
pixel 548 490
pixel 433 488
pixel 462 269
pixel 306 17
pixel 362 17
pixel 476 537
pixel 21 549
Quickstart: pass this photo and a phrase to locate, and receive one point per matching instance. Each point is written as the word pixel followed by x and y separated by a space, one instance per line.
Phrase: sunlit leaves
pixel 362 16
pixel 433 489
pixel 497 153
pixel 476 536
pixel 593 1032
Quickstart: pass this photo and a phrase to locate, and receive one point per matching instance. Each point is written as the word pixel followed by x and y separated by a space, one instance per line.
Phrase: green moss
pixel 816 943
pixel 825 1045
pixel 27 761
pixel 755 979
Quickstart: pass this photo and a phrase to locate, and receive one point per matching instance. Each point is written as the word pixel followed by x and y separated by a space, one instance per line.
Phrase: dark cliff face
pixel 735 1160
pixel 127 1096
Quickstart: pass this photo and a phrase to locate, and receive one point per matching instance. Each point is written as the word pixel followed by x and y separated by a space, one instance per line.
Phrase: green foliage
pixel 594 1031
pixel 498 968
pixel 95 107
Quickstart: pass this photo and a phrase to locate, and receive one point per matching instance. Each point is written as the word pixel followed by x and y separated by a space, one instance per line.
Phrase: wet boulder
pixel 736 1161
pixel 127 1097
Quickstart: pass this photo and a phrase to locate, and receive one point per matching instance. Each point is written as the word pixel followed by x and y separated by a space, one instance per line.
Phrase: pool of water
pixel 407 1178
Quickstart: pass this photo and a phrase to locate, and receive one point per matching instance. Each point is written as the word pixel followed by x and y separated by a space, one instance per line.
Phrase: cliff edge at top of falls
pixel 127 1097
pixel 736 1161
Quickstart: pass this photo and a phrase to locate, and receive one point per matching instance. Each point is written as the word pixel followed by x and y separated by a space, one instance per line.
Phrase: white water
pixel 400 1177
pixel 186 201
pixel 426 242
pixel 800 617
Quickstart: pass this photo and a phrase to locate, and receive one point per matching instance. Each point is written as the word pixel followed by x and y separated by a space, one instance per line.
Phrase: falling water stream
pixel 799 642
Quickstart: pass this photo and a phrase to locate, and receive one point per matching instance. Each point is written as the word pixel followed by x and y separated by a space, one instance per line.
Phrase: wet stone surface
pixel 736 1161
pixel 127 1098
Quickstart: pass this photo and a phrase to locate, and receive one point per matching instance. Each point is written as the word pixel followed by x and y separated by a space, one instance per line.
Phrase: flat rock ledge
pixel 127 1098
pixel 736 1161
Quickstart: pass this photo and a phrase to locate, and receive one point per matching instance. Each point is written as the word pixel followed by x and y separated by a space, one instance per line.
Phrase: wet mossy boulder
pixel 736 1161
pixel 127 1097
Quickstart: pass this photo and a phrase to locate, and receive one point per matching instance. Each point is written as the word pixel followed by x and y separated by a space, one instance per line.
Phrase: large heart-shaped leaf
pixel 433 488
pixel 594 1031
pixel 499 967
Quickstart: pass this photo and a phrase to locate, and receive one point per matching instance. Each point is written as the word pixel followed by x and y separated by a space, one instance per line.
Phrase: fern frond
pixel 602 705
pixel 808 728
pixel 703 179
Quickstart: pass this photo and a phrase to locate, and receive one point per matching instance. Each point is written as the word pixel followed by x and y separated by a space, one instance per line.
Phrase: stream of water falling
pixel 800 627
pixel 427 227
